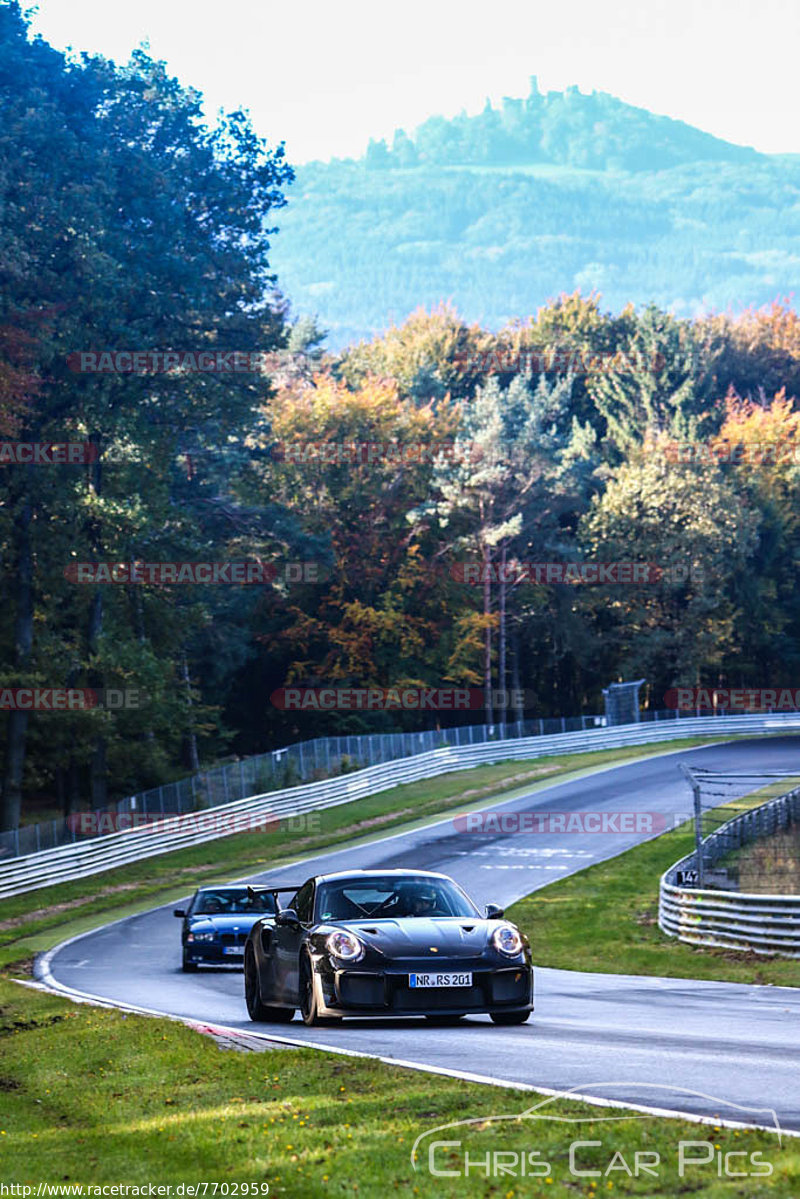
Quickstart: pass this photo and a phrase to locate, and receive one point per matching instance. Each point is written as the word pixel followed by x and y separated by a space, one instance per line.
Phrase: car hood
pixel 225 924
pixel 420 937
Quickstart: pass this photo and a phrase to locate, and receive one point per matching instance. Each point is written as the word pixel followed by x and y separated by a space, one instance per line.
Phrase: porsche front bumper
pixel 354 991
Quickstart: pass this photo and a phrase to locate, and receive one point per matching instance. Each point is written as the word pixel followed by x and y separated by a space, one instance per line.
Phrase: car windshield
pixel 392 898
pixel 233 902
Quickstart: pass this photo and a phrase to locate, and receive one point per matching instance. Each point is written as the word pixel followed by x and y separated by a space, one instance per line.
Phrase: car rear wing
pixel 276 891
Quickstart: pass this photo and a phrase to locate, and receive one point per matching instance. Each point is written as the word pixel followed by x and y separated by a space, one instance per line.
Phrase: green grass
pixel 605 918
pixel 768 866
pixel 94 1096
pixel 35 921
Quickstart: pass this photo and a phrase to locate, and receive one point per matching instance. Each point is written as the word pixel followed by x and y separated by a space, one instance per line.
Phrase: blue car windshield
pixel 391 898
pixel 233 902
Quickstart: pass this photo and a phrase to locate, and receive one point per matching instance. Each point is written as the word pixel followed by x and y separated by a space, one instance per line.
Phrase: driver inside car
pixel 423 903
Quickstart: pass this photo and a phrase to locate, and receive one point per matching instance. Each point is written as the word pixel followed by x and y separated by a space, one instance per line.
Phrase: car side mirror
pixel 289 917
pixel 493 912
pixel 179 912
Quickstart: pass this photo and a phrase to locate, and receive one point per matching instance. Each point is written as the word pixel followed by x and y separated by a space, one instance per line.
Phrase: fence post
pixel 698 824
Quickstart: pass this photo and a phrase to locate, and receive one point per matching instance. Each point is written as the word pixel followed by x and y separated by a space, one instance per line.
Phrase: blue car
pixel 217 921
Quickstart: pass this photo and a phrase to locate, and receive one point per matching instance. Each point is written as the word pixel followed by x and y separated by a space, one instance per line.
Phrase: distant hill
pixel 596 132
pixel 499 212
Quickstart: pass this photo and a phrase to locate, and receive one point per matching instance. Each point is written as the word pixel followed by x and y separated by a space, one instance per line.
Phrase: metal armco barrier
pixel 290 766
pixel 93 856
pixel 766 924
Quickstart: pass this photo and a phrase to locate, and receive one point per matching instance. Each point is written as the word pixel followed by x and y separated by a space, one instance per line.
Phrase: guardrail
pixel 278 769
pixel 766 924
pixel 84 858
pixel 302 762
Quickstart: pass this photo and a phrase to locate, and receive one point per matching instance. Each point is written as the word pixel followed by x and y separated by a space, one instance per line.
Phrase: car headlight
pixel 344 946
pixel 507 940
pixel 201 936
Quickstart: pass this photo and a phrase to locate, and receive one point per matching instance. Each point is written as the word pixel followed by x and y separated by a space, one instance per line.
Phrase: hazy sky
pixel 325 77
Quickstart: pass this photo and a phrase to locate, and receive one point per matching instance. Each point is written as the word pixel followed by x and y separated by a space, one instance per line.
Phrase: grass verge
pixel 37 920
pixel 769 866
pixel 605 918
pixel 97 1097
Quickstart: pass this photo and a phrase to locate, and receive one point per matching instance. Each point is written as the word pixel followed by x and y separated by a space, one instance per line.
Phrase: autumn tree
pixel 128 223
pixel 689 522
pixel 430 355
pixel 661 383
pixel 352 463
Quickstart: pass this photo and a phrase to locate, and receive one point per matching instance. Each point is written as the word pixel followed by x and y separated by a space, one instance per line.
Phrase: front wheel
pixel 509 1017
pixel 188 965
pixel 309 1009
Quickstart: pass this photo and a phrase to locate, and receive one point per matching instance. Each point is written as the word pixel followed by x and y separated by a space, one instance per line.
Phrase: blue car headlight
pixel 345 946
pixel 201 937
pixel 507 940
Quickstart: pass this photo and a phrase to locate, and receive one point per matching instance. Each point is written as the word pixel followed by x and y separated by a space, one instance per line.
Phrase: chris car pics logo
pixel 468 1148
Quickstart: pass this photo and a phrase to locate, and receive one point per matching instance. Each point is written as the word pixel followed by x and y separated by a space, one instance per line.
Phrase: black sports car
pixel 217 921
pixel 386 943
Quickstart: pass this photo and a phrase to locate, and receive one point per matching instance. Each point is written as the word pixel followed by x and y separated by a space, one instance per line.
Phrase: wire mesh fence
pixel 305 761
pixel 750 831
pixel 740 902
pixel 760 853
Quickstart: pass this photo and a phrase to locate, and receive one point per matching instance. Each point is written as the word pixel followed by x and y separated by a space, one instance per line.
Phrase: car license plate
pixel 232 949
pixel 440 980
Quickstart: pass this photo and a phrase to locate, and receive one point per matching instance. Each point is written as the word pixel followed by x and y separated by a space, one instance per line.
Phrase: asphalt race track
pixel 730 1050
